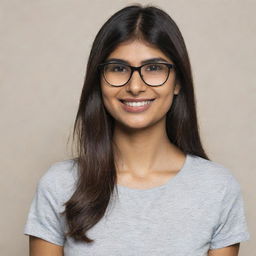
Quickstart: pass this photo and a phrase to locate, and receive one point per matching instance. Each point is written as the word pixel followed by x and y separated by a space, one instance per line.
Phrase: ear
pixel 176 89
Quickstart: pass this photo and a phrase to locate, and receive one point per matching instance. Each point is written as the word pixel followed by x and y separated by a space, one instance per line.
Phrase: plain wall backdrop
pixel 44 46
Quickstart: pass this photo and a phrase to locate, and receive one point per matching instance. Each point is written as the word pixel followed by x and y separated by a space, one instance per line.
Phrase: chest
pixel 151 181
pixel 151 224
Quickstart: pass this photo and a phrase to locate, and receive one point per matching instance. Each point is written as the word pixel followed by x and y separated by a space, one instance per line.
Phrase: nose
pixel 136 84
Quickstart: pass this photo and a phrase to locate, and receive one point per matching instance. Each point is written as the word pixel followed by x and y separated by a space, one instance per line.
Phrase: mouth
pixel 136 106
pixel 123 101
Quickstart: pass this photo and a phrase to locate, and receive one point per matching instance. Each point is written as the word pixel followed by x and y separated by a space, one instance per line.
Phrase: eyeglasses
pixel 152 74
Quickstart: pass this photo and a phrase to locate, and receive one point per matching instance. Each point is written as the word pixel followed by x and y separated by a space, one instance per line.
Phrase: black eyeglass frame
pixel 133 68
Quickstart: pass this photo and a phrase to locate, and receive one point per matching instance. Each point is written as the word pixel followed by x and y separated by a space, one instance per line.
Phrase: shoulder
pixel 212 175
pixel 62 171
pixel 59 180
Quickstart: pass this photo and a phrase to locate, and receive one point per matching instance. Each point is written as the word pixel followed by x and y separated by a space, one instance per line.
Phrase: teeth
pixel 137 104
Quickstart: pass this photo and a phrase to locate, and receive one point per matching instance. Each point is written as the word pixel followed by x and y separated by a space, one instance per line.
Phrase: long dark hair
pixel 93 127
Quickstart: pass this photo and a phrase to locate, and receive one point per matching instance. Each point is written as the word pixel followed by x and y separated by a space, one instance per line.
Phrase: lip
pixel 136 109
pixel 136 100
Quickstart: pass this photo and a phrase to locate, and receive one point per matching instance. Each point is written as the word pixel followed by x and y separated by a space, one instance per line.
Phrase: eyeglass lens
pixel 153 74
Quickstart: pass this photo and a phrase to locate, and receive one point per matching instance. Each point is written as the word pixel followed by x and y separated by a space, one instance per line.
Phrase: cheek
pixel 166 95
pixel 107 105
pixel 168 100
pixel 108 99
pixel 165 100
pixel 104 92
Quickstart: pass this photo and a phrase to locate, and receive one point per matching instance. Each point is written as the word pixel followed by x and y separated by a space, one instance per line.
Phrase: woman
pixel 142 183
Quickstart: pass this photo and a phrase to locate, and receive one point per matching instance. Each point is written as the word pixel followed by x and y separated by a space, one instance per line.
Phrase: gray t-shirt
pixel 200 208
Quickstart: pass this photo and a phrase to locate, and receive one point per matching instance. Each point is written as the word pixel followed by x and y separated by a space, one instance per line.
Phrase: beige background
pixel 44 47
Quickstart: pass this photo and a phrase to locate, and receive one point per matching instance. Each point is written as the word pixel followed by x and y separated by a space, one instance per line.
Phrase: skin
pixel 144 156
pixel 40 247
pixel 232 250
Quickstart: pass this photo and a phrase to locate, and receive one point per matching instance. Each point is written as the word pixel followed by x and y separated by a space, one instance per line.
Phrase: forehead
pixel 136 51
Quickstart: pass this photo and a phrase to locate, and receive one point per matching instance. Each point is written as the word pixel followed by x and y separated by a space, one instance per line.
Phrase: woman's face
pixel 134 53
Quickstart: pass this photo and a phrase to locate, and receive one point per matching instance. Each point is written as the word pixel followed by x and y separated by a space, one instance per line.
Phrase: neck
pixel 142 151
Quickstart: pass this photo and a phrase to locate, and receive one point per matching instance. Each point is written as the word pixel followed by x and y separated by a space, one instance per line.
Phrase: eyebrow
pixel 154 60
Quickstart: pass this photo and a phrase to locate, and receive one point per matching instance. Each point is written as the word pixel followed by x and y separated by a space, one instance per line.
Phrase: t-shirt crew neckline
pixel 124 189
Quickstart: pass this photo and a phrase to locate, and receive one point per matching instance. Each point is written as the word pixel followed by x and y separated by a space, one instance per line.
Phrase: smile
pixel 136 106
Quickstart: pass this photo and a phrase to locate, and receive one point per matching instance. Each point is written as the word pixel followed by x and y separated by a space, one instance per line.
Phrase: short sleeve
pixel 44 220
pixel 232 227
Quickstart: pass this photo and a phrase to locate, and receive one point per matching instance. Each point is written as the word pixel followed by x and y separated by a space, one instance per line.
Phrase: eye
pixel 116 68
pixel 154 67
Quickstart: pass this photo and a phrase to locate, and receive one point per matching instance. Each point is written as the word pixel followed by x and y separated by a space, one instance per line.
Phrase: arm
pixel 40 247
pixel 231 250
